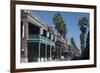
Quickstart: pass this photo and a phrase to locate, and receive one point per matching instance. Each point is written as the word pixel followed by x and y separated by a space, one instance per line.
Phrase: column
pixel 24 41
pixel 50 52
pixel 46 52
pixel 39 59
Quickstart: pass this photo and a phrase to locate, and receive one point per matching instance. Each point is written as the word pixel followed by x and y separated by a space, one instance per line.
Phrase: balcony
pixel 42 39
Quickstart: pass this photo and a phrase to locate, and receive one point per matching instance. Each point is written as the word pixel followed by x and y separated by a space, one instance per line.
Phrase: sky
pixel 71 20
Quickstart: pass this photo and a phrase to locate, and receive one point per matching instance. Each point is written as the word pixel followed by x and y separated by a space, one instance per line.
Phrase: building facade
pixel 37 41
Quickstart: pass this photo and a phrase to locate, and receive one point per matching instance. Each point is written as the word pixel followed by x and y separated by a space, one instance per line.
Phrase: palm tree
pixel 59 24
pixel 83 25
pixel 61 28
pixel 87 46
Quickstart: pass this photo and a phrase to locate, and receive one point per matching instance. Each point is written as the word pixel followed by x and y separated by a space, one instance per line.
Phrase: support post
pixel 46 52
pixel 50 52
pixel 24 41
pixel 39 59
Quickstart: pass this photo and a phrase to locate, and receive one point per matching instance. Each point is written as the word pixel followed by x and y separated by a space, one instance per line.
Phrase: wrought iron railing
pixel 41 38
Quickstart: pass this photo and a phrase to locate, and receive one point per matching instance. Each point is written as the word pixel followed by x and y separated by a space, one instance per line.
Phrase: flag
pixel 47 34
pixel 51 36
pixel 41 30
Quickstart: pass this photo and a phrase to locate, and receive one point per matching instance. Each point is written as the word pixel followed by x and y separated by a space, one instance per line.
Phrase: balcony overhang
pixel 34 20
pixel 42 39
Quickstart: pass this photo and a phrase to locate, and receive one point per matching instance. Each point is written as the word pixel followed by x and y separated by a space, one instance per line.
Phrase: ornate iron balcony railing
pixel 40 38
